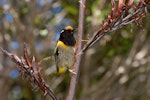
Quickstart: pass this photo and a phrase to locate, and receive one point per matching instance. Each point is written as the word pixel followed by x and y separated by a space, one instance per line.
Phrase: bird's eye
pixel 72 32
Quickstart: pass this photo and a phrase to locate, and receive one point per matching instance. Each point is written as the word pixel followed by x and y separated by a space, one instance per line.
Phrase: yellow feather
pixel 62 70
pixel 61 44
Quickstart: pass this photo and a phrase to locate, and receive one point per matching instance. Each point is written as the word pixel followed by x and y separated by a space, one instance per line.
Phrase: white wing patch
pixel 62 31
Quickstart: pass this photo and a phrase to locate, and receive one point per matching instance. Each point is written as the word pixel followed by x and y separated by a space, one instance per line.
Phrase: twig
pixel 31 70
pixel 118 18
pixel 74 78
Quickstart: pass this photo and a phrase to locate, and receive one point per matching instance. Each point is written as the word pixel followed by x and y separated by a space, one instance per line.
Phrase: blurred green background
pixel 115 68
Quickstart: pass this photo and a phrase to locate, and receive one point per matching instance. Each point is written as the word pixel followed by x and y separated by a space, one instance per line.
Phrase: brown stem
pixel 74 78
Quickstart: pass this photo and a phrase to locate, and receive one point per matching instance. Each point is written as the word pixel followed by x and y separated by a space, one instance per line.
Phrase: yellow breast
pixel 60 43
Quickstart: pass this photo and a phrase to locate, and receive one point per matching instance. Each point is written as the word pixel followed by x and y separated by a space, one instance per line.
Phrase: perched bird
pixel 65 51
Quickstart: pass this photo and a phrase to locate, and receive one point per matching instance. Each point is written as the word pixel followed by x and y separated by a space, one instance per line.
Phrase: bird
pixel 64 54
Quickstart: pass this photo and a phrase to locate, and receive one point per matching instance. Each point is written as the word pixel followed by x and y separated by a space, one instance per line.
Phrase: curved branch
pixel 119 18
pixel 30 69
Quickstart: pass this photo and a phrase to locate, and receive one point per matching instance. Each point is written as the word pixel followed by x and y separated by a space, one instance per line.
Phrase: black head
pixel 67 37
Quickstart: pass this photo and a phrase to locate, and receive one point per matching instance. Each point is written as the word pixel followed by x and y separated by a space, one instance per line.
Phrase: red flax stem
pixel 30 70
pixel 74 78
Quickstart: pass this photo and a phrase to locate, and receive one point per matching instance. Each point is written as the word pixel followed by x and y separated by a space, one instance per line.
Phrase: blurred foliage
pixel 116 68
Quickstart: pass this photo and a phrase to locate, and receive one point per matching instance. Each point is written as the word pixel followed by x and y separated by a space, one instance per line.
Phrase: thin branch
pixel 74 78
pixel 118 18
pixel 30 69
